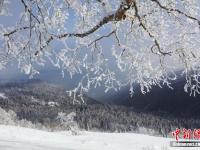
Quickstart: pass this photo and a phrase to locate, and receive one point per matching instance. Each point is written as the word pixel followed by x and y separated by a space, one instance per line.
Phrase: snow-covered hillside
pixel 17 138
pixel 2 95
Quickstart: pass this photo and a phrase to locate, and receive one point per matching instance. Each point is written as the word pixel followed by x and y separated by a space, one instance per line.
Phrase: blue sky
pixel 47 73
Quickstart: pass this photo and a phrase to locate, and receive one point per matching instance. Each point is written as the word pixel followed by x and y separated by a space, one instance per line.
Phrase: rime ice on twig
pixel 150 40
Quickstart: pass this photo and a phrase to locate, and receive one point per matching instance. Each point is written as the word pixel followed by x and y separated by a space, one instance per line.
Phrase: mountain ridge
pixel 161 100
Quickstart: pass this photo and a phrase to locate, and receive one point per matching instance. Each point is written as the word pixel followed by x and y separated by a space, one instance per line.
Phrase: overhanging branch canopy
pixel 152 40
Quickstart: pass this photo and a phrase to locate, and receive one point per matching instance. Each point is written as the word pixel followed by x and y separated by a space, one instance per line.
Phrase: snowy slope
pixel 2 95
pixel 17 138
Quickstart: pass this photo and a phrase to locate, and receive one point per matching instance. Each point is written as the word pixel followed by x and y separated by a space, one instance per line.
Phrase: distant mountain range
pixel 161 100
pixel 31 91
pixel 36 100
pixel 52 76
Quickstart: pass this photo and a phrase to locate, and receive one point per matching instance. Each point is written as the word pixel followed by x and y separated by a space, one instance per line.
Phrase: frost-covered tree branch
pixel 152 41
